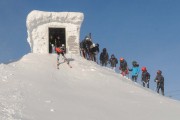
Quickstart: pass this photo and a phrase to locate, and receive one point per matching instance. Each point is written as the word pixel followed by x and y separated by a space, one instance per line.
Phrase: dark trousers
pixel 104 63
pixel 134 78
pixel 160 87
pixel 146 84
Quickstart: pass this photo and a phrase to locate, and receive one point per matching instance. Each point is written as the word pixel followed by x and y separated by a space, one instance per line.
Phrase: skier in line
pixel 88 43
pixel 160 82
pixel 61 50
pixel 145 77
pixel 94 50
pixel 123 67
pixel 97 52
pixel 83 49
pixel 135 71
pixel 104 57
pixel 113 61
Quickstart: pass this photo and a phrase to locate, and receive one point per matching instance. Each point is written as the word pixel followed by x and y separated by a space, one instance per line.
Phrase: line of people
pixel 90 51
pixel 135 70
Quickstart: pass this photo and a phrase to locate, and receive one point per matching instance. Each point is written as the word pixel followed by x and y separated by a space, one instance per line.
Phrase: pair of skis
pixel 65 60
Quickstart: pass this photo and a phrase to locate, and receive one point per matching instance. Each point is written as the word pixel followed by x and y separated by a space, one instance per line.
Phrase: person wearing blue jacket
pixel 135 71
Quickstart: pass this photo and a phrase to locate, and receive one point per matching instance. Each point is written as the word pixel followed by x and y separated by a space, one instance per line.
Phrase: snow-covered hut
pixel 48 29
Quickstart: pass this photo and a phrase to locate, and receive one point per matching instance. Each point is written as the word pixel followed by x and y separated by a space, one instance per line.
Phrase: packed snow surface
pixel 33 89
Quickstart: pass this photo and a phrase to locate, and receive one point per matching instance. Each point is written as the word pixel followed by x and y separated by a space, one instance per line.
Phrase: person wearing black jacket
pixel 104 57
pixel 113 61
pixel 145 77
pixel 160 82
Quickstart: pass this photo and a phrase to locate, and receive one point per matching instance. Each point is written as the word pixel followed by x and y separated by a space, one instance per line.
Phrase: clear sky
pixel 143 30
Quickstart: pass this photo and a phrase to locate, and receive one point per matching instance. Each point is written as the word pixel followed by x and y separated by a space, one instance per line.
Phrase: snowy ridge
pixel 33 89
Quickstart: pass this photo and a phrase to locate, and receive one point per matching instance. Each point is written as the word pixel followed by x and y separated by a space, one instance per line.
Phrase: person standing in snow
pixel 51 45
pixel 88 43
pixel 113 61
pixel 123 67
pixel 160 82
pixel 97 52
pixel 94 50
pixel 83 49
pixel 145 77
pixel 135 71
pixel 61 50
pixel 104 57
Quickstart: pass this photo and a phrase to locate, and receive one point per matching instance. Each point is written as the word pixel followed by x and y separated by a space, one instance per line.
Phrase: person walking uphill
pixel 145 77
pixel 113 61
pixel 135 71
pixel 104 57
pixel 160 82
pixel 123 67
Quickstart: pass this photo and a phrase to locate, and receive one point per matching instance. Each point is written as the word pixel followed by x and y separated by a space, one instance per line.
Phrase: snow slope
pixel 33 89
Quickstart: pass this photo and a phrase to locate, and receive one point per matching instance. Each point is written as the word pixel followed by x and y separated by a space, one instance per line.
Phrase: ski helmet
pixel 97 44
pixel 159 72
pixel 104 49
pixel 134 63
pixel 112 56
pixel 143 69
pixel 121 59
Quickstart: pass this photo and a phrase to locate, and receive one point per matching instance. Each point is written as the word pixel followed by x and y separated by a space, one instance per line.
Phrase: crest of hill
pixel 86 91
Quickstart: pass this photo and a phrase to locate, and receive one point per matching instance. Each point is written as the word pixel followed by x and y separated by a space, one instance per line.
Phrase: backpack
pixel 58 50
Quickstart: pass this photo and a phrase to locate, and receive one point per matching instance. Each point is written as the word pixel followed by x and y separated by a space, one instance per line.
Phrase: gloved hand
pixel 155 80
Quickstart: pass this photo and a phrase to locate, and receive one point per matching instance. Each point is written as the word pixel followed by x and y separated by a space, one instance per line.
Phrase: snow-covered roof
pixel 36 18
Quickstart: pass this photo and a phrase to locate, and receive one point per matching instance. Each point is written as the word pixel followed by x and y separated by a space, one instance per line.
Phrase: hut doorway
pixel 57 37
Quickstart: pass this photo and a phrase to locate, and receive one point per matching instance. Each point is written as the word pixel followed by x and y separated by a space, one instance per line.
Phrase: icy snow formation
pixel 39 22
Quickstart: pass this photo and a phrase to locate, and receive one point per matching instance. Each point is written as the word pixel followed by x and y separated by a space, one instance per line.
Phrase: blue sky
pixel 143 30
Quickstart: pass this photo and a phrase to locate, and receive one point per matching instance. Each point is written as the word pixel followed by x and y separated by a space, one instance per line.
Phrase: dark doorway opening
pixel 57 37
